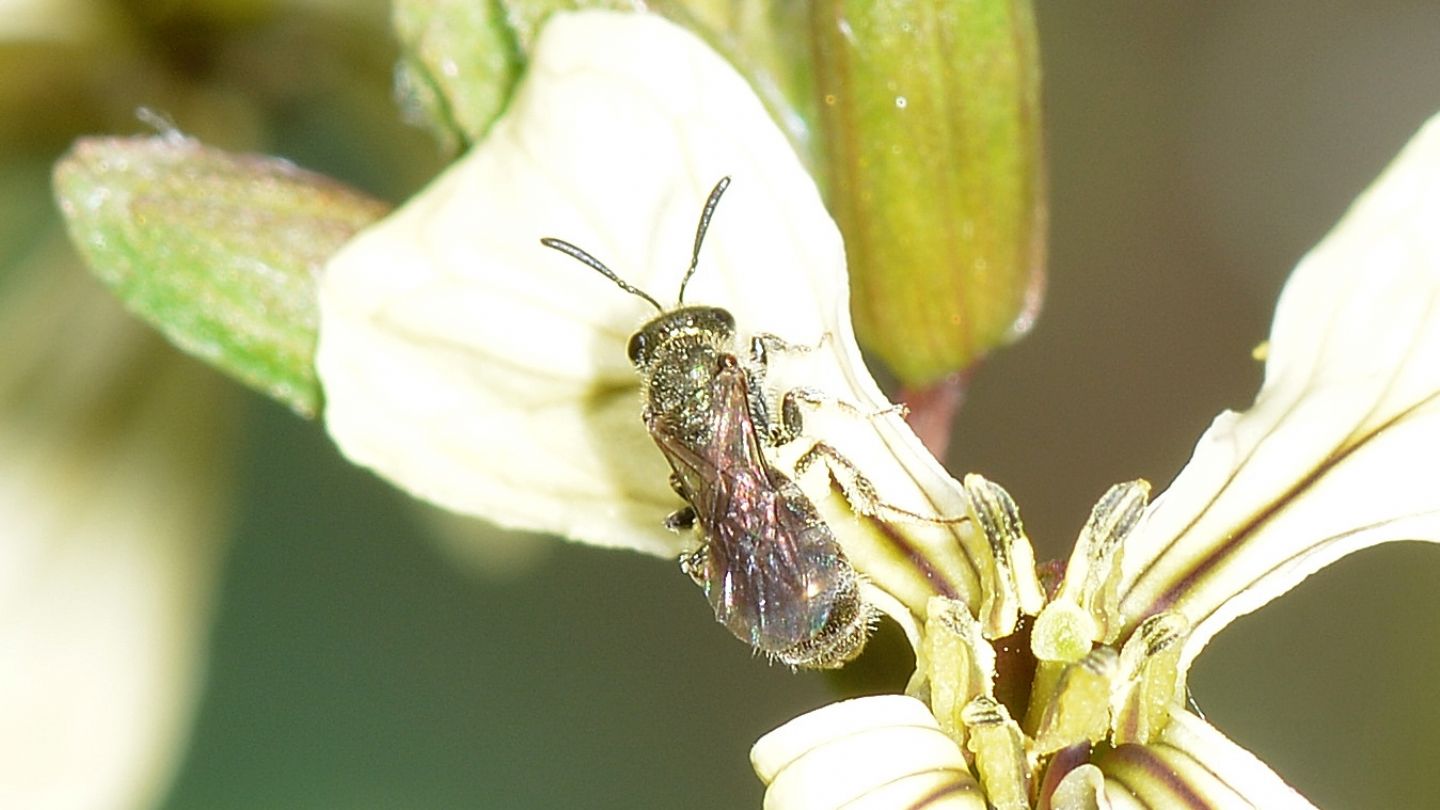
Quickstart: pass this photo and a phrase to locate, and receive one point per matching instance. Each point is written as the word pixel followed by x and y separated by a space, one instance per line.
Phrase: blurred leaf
pixel 931 124
pixel 459 61
pixel 217 251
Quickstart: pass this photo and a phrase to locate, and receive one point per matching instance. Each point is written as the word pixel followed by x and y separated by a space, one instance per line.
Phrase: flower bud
pixel 930 114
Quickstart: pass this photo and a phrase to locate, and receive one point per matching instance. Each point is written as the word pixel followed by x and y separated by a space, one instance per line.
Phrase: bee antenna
pixel 599 267
pixel 705 215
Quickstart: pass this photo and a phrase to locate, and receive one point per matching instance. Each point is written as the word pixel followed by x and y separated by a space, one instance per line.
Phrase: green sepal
pixel 217 251
pixel 461 59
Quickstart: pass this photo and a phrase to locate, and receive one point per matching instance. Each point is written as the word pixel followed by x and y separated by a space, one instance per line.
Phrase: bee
pixel 768 563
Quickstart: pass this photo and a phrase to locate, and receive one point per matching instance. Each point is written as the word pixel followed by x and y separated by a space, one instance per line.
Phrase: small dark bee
pixel 768 562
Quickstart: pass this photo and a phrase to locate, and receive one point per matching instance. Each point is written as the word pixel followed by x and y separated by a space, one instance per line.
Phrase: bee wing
pixel 774 567
pixel 732 444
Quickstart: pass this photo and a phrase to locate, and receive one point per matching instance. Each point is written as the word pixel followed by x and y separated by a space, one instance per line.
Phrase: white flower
pixel 40 20
pixel 478 370
pixel 483 372
pixel 1338 453
pixel 110 519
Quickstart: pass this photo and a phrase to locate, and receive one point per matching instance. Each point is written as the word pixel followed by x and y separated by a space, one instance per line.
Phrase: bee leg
pixel 765 342
pixel 859 490
pixel 857 487
pixel 788 428
pixel 791 424
pixel 815 398
pixel 694 563
pixel 681 519
pixel 760 409
pixel 792 420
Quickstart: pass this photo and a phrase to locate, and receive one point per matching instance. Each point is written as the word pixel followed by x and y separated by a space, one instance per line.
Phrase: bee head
pixel 712 324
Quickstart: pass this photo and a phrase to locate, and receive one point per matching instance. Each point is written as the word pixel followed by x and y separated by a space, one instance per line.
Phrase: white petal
pixel 874 752
pixel 1193 765
pixel 1081 789
pixel 483 372
pixel 1342 448
pixel 110 500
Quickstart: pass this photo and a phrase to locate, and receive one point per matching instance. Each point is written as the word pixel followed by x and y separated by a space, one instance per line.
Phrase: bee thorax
pixel 678 390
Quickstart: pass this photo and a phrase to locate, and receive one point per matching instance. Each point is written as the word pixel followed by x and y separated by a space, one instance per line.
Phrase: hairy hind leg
pixel 859 489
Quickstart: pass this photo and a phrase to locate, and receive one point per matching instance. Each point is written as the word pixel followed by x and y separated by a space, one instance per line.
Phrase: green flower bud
pixel 930 116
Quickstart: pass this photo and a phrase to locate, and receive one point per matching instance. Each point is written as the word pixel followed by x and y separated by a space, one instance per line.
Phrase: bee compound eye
pixel 637 349
pixel 714 320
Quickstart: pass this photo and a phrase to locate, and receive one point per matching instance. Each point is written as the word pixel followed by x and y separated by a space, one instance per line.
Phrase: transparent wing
pixel 774 568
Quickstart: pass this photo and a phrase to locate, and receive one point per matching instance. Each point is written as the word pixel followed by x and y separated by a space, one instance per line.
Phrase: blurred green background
pixel 1196 151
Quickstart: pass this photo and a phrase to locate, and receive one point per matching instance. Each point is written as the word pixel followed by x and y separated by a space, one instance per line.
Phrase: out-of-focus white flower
pixel 474 368
pixel 31 20
pixel 110 506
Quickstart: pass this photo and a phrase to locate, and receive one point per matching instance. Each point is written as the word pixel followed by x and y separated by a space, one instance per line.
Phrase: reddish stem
pixel 932 409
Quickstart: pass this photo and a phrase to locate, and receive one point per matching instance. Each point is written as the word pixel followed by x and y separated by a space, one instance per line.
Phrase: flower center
pixel 1073 677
